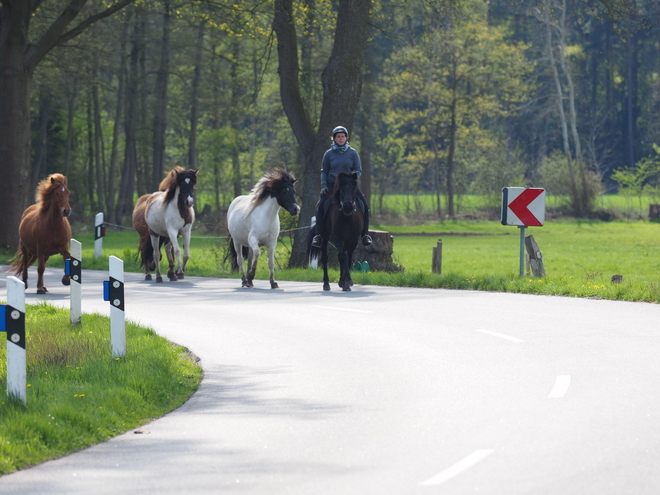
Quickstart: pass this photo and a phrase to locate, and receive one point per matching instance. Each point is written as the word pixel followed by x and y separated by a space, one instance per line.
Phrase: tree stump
pixel 535 257
pixel 379 254
pixel 654 212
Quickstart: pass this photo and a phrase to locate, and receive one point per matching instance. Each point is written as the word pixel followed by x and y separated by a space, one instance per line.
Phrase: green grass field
pixel 580 258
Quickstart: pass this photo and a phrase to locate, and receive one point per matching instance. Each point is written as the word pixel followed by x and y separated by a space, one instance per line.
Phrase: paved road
pixel 382 391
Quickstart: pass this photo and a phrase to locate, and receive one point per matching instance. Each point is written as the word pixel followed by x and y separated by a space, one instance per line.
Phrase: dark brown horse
pixel 343 226
pixel 44 230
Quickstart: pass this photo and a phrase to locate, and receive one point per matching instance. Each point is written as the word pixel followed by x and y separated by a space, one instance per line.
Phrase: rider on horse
pixel 340 158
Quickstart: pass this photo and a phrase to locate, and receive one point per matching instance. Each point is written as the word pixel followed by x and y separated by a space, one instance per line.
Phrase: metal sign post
pixel 524 207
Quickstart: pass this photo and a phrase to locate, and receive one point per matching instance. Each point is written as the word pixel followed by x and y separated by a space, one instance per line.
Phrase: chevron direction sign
pixel 523 206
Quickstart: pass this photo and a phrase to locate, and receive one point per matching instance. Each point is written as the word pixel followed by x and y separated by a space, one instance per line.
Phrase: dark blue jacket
pixel 336 161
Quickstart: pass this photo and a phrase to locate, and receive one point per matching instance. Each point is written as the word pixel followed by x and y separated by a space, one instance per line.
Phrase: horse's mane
pixel 264 186
pixel 168 184
pixel 47 187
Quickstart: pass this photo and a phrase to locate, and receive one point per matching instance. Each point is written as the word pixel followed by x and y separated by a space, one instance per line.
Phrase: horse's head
pixel 281 187
pixel 56 184
pixel 186 180
pixel 346 187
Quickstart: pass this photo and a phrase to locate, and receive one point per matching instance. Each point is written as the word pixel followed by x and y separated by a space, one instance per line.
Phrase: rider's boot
pixel 366 238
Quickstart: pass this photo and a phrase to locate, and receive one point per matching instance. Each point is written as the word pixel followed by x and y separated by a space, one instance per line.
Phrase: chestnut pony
pixel 44 230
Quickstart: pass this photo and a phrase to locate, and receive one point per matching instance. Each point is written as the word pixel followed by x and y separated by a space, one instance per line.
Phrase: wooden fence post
pixel 436 263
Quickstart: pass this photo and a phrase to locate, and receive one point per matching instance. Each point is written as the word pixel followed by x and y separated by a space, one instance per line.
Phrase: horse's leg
pixel 41 288
pixel 186 250
pixel 253 258
pixel 155 239
pixel 349 265
pixel 324 260
pixel 343 268
pixel 176 254
pixel 169 251
pixel 271 265
pixel 27 259
pixel 66 255
pixel 240 262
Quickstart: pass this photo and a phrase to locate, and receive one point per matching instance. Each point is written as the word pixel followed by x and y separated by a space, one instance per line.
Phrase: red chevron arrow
pixel 519 207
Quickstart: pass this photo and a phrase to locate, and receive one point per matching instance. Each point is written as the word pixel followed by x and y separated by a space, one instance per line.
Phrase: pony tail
pixel 313 253
pixel 146 252
pixel 230 255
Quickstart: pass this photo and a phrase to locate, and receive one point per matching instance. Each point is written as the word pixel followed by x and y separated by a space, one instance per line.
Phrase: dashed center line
pixel 343 309
pixel 459 467
pixel 502 336
pixel 562 382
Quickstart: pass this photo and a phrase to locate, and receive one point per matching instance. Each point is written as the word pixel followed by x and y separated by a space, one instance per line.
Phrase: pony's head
pixel 185 181
pixel 346 187
pixel 53 191
pixel 278 184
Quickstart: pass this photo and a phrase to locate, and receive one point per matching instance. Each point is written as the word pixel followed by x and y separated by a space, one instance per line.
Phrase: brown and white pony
pixel 169 214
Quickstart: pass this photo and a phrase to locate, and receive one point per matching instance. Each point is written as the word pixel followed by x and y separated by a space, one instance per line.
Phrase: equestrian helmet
pixel 339 128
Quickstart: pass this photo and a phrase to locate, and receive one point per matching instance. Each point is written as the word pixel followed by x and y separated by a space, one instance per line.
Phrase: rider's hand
pixel 324 191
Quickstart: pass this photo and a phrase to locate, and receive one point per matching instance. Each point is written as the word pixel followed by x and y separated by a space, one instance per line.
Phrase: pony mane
pixel 264 186
pixel 47 187
pixel 168 184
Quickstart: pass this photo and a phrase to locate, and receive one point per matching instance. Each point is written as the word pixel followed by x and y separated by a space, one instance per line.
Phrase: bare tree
pixel 342 85
pixel 18 60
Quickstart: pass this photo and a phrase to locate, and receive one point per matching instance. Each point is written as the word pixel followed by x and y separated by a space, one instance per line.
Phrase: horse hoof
pixel 250 283
pixel 347 289
pixel 274 285
pixel 42 290
pixel 245 284
pixel 147 277
pixel 159 280
pixel 326 286
pixel 179 276
pixel 66 280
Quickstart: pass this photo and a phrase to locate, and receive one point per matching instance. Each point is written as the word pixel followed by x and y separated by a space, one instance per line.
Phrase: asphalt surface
pixel 381 390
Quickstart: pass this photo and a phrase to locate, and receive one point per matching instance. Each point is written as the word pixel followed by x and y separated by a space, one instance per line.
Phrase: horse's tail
pixel 232 255
pixel 146 250
pixel 18 263
pixel 313 253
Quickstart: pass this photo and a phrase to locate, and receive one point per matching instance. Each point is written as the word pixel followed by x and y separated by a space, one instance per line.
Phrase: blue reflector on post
pixel 106 290
pixel 3 321
pixel 67 267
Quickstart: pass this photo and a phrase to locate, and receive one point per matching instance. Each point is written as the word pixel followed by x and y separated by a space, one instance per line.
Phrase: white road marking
pixel 562 382
pixel 343 309
pixel 459 467
pixel 502 336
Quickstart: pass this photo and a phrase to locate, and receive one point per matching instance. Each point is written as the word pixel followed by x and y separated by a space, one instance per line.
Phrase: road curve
pixel 381 390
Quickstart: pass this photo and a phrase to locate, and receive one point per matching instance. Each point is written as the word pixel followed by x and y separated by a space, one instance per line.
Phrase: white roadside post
pixel 113 291
pixel 13 321
pixel 99 232
pixel 74 270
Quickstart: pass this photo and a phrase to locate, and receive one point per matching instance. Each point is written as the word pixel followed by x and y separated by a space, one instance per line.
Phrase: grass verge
pixel 78 395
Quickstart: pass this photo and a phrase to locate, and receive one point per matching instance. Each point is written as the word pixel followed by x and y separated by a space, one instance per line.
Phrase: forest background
pixel 445 99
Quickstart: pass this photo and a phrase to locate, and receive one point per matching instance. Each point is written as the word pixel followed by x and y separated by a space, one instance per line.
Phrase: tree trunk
pixel 234 119
pixel 127 185
pixel 194 98
pixel 342 85
pixel 15 84
pixel 160 110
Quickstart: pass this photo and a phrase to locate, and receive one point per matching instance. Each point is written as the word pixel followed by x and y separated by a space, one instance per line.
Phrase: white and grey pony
pixel 253 221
